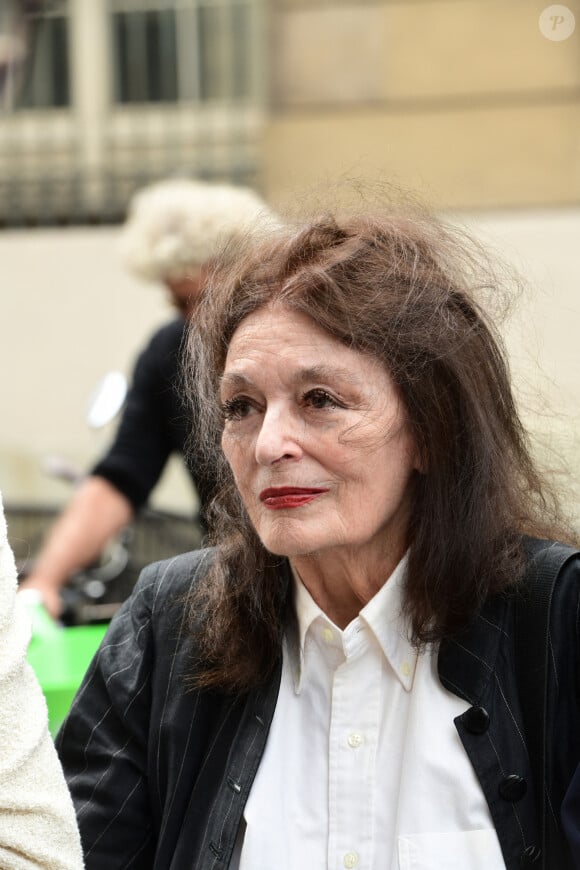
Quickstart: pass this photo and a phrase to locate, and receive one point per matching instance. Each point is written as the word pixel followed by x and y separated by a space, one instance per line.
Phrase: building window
pixel 189 51
pixel 144 52
pixel 46 75
pixel 158 86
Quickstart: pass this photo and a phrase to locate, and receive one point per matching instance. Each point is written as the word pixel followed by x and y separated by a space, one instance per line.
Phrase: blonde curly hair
pixel 178 224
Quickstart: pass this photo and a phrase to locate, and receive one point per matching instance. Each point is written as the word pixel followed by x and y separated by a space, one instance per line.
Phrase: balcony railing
pixel 118 93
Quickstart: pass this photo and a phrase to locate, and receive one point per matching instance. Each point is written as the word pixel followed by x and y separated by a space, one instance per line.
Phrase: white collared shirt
pixel 363 766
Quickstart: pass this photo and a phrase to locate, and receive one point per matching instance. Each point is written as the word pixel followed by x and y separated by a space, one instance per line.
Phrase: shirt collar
pixel 382 615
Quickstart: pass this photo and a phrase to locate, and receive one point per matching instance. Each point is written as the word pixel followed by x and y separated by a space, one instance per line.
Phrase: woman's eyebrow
pixel 327 373
pixel 234 379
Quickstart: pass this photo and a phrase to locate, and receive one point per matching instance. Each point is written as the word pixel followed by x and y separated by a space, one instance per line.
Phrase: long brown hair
pixel 404 288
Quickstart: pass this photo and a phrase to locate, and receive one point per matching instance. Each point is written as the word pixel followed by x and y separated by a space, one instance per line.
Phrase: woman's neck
pixel 342 583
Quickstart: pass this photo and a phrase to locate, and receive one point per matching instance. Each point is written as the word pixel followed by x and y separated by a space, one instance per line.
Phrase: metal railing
pixel 118 93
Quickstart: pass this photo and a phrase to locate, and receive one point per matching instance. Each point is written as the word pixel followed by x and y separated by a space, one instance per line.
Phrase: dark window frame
pixel 47 73
pixel 220 35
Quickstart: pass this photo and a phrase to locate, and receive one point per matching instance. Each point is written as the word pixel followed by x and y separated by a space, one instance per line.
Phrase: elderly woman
pixel 333 684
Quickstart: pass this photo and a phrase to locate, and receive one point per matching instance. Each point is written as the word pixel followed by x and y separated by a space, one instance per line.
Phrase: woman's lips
pixel 277 498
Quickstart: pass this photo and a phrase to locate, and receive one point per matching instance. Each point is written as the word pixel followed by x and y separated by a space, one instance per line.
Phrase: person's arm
pixel 120 483
pixel 96 513
pixel 37 821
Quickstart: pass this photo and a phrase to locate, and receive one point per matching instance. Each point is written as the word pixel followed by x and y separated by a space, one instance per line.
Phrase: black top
pixel 154 424
pixel 160 773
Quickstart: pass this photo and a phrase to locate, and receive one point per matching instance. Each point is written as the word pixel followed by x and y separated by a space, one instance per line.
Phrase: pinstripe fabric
pixel 160 775
pixel 479 666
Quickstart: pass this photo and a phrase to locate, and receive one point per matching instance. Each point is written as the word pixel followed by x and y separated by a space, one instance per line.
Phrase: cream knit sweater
pixel 37 822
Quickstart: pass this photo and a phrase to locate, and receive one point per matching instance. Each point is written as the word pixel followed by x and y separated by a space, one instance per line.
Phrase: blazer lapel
pixel 478 665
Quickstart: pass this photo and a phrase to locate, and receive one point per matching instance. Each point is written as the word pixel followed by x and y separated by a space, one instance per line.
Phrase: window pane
pixel 47 76
pixel 224 49
pixel 144 47
pixel 242 48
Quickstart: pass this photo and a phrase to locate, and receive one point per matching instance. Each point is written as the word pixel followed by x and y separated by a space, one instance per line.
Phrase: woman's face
pixel 316 437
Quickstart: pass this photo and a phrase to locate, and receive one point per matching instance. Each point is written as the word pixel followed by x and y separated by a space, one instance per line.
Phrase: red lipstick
pixel 281 497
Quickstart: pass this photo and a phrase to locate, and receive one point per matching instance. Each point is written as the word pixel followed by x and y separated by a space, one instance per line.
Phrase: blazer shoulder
pixel 540 548
pixel 173 577
pixel 553 558
pixel 566 600
pixel 163 587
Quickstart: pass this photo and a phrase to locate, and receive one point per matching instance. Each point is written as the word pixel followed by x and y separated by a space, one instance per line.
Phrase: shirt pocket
pixel 460 850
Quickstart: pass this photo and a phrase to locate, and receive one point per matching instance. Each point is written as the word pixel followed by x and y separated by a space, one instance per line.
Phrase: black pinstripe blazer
pixel 159 775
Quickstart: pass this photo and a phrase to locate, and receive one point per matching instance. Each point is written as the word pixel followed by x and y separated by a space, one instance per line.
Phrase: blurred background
pixel 473 103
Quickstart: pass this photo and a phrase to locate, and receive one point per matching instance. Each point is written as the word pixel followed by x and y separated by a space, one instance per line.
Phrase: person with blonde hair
pixel 37 821
pixel 173 230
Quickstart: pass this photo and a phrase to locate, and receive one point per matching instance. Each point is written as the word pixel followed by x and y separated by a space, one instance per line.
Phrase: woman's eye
pixel 320 399
pixel 236 409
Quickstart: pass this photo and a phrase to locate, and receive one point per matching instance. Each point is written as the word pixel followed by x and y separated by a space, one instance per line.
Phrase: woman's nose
pixel 277 438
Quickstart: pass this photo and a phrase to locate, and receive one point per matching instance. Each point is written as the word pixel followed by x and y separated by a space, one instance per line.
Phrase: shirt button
pixel 350 859
pixel 328 635
pixel 354 740
pixel 405 669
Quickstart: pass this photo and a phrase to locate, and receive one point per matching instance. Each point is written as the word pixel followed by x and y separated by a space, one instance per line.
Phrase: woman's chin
pixel 295 534
pixel 279 548
pixel 286 544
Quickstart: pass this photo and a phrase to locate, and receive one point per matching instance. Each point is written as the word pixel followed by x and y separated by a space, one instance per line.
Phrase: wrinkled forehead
pixel 292 326
pixel 276 335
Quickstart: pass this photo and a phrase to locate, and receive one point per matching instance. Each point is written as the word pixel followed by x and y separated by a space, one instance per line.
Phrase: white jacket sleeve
pixel 37 822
